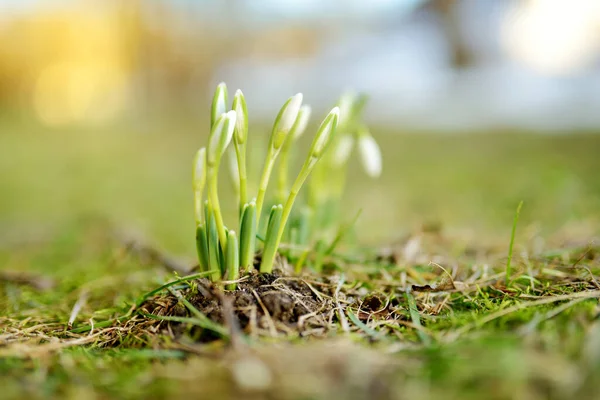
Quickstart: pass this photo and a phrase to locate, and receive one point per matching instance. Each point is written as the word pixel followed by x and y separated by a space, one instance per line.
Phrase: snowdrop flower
pixel 342 150
pixel 285 120
pixel 324 133
pixel 283 124
pixel 346 103
pixel 301 121
pixel 219 103
pixel 220 137
pixel 280 214
pixel 229 129
pixel 370 154
pixel 290 112
pixel 241 111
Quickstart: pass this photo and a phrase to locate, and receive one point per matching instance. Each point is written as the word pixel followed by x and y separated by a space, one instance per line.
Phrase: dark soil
pixel 263 304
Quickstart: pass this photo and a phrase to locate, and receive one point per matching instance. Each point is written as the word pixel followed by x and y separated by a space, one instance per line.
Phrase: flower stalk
pixel 240 137
pixel 219 139
pixel 284 158
pixel 283 124
pixel 319 144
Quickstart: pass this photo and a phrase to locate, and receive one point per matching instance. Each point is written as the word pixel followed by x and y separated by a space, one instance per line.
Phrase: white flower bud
pixel 346 103
pixel 213 151
pixel 220 137
pixel 219 103
pixel 342 150
pixel 230 120
pixel 301 121
pixel 370 155
pixel 241 111
pixel 290 113
pixel 324 133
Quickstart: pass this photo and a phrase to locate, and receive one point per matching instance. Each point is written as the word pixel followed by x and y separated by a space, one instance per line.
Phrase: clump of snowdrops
pixel 224 253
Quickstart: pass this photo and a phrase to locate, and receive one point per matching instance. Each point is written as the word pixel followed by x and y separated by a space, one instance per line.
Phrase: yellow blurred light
pixel 554 37
pixel 73 64
pixel 67 93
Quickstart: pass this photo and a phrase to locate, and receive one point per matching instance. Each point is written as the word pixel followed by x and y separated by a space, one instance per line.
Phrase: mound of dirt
pixel 263 304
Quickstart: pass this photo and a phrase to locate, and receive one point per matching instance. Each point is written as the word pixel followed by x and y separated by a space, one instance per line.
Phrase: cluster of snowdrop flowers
pixel 224 252
pixel 352 131
pixel 328 180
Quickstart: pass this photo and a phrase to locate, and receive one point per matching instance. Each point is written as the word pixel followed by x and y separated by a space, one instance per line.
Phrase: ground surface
pixel 419 310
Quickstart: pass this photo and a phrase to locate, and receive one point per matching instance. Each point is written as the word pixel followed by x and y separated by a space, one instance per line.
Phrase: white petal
pixel 343 149
pixel 230 117
pixel 215 139
pixel 239 111
pixel 346 102
pixel 290 113
pixel 325 132
pixel 370 155
pixel 221 103
pixel 302 120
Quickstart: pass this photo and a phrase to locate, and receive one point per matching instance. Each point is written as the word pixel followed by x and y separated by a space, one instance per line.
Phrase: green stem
pixel 216 208
pixel 264 183
pixel 282 177
pixel 287 209
pixel 240 152
pixel 314 188
pixel 271 242
pixel 212 243
pixel 268 259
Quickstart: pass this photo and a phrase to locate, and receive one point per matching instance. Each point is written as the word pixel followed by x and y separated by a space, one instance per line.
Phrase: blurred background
pixel 103 104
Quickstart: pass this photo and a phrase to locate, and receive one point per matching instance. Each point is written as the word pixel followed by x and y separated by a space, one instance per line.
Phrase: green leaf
pixel 248 235
pixel 271 242
pixel 232 260
pixel 212 237
pixel 202 246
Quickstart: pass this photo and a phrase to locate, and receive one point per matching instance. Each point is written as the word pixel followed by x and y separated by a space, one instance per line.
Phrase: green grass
pixel 71 201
